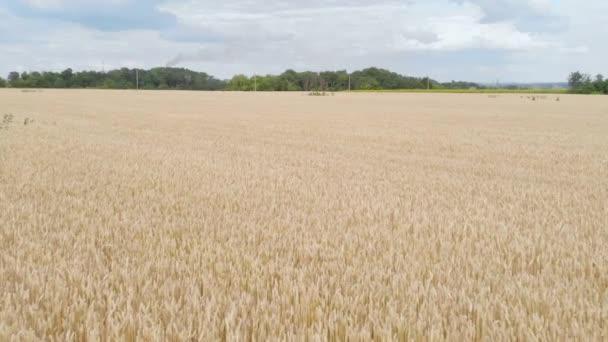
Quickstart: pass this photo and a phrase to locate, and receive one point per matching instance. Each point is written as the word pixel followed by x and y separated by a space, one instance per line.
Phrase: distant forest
pixel 184 79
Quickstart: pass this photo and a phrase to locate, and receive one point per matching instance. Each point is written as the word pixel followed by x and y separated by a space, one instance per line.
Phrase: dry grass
pixel 211 216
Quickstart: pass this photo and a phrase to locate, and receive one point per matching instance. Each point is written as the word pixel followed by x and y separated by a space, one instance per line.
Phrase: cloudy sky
pixel 477 40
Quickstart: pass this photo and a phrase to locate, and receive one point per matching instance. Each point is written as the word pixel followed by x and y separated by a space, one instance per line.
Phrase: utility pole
pixel 137 79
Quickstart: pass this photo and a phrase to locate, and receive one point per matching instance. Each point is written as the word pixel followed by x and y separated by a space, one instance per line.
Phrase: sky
pixel 473 40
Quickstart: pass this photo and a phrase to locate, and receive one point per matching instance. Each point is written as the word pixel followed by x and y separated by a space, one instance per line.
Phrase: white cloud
pixel 232 36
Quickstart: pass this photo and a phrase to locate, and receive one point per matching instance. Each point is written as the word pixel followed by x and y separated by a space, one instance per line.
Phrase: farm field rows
pixel 151 215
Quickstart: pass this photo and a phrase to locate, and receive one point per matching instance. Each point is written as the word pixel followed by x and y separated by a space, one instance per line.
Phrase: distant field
pixel 471 91
pixel 156 215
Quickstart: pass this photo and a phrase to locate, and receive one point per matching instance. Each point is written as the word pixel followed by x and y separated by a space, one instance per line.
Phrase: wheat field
pixel 172 216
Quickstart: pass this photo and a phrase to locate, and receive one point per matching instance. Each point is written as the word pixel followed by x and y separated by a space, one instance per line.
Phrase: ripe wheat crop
pixel 227 216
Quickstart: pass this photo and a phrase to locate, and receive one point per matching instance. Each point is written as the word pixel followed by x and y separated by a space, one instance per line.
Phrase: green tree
pixel 329 80
pixel 268 83
pixel 2 82
pixel 66 75
pixel 59 83
pixel 307 80
pixel 13 76
pixel 580 83
pixel 289 81
pixel 342 78
pixel 240 83
pixel 574 80
pixel 367 83
pixel 599 84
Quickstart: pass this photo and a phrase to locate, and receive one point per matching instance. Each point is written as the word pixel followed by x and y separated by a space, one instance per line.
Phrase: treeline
pixel 367 79
pixel 157 78
pixel 179 78
pixel 580 83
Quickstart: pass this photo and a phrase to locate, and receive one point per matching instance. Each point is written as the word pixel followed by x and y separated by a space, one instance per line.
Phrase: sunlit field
pixel 130 215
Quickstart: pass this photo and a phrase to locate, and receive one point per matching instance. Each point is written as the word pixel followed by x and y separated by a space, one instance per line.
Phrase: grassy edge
pixel 468 91
pixel 430 91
